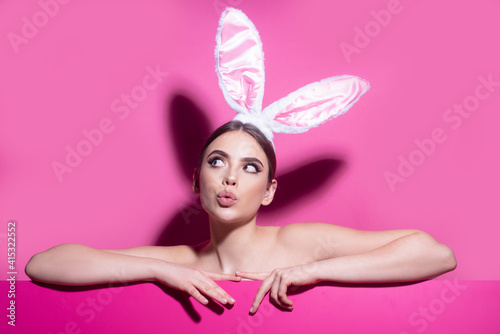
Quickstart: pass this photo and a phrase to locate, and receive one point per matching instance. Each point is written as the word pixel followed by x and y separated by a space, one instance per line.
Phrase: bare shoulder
pixel 308 228
pixel 292 233
pixel 334 240
pixel 182 254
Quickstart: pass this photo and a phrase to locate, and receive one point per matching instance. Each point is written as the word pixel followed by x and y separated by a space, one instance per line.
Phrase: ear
pixel 315 103
pixel 270 191
pixel 196 181
pixel 239 62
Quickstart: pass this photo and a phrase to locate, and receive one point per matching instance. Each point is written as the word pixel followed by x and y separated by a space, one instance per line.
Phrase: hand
pixel 277 282
pixel 197 283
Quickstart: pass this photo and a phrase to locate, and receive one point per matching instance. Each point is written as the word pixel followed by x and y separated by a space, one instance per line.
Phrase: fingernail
pixel 232 300
pixel 224 300
pixel 251 309
pixel 205 301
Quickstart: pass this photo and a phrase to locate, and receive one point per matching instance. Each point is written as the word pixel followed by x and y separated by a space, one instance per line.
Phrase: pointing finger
pixel 261 293
pixel 254 276
pixel 222 277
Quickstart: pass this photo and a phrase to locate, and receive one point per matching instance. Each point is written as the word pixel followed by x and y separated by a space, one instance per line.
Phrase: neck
pixel 232 243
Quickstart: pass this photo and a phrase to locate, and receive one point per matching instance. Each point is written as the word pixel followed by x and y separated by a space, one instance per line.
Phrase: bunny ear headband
pixel 240 68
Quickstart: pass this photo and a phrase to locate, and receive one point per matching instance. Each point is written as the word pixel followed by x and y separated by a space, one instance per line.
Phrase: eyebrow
pixel 219 152
pixel 225 155
pixel 254 160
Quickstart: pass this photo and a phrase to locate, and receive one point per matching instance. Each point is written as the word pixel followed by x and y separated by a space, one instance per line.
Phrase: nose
pixel 230 180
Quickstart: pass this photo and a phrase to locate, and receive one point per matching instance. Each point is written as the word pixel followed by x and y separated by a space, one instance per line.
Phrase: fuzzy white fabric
pixel 240 69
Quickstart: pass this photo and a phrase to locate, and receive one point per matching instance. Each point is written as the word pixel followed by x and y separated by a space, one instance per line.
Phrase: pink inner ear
pixel 241 63
pixel 317 103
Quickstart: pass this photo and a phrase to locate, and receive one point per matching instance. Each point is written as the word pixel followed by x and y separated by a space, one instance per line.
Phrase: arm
pixel 347 255
pixel 342 254
pixel 73 264
pixel 415 256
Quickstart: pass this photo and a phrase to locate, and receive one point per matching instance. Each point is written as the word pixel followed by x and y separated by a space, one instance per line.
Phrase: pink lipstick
pixel 226 198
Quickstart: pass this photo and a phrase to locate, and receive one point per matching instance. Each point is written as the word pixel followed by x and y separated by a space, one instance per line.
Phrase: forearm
pixel 410 258
pixel 73 264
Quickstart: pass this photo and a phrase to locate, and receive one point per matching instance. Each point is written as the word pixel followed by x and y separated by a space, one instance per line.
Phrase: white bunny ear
pixel 240 62
pixel 240 69
pixel 315 104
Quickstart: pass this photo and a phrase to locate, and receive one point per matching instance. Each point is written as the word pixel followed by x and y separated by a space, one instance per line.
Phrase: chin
pixel 228 216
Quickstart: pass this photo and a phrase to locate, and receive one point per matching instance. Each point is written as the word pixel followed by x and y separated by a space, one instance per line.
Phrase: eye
pixel 251 168
pixel 216 162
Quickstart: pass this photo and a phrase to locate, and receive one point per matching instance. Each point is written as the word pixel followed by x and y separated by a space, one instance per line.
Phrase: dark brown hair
pixel 253 131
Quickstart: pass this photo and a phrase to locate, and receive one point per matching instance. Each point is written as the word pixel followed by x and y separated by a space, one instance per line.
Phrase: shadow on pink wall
pixel 189 127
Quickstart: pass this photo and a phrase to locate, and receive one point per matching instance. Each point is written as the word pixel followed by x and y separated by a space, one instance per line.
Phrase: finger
pixel 274 289
pixel 254 276
pixel 222 277
pixel 261 293
pixel 197 295
pixel 282 296
pixel 278 292
pixel 225 297
pixel 214 291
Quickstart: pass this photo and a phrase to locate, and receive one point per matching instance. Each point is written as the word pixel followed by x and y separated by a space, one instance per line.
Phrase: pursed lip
pixel 226 198
pixel 227 194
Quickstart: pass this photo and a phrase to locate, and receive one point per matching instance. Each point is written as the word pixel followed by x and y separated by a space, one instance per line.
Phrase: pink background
pixel 432 307
pixel 134 187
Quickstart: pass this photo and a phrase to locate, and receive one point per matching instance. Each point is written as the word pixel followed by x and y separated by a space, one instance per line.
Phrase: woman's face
pixel 234 178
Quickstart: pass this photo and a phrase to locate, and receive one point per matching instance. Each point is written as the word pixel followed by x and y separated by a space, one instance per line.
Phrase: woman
pixel 235 176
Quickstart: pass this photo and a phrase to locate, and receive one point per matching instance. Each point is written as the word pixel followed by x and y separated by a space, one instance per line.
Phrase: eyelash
pixel 257 168
pixel 212 160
